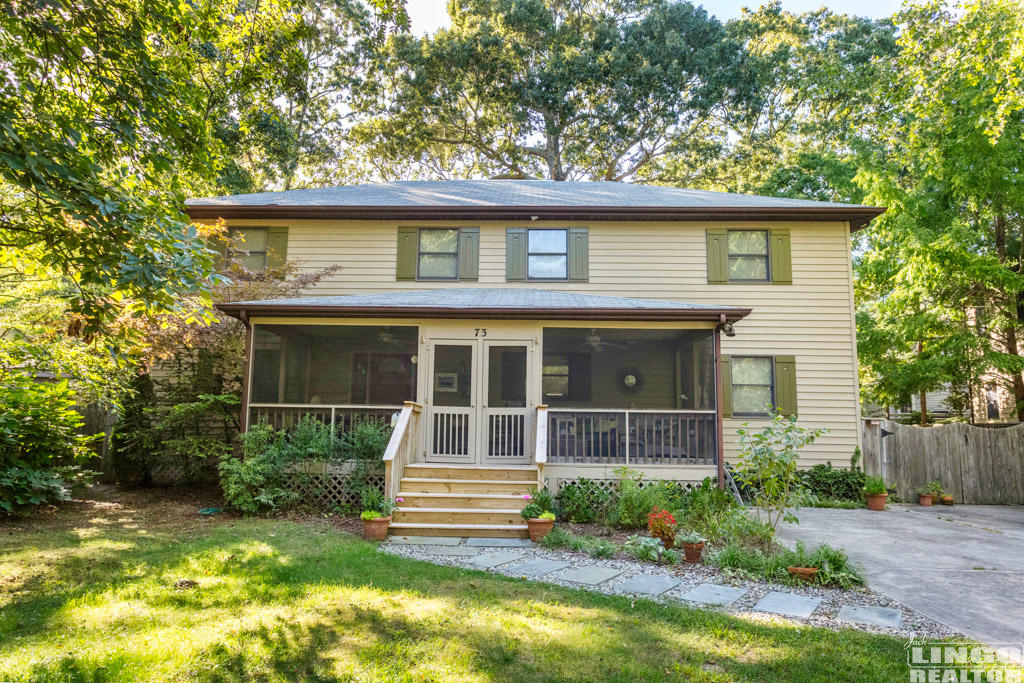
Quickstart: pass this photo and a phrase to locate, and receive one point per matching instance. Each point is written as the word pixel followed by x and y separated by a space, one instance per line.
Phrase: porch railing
pixel 341 416
pixel 631 437
pixel 401 448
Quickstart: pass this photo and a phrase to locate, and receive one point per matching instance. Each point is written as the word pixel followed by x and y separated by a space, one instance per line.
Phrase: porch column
pixel 243 418
pixel 719 391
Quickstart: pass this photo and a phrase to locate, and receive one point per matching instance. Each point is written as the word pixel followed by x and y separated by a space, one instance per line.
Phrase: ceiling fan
pixel 593 341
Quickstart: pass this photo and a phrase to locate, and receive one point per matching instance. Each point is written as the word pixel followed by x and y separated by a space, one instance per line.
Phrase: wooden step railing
pixel 540 450
pixel 401 448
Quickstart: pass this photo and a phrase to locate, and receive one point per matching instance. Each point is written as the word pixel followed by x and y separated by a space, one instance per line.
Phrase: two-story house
pixel 546 331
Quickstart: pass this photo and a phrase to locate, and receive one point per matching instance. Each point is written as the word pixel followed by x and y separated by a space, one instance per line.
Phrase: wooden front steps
pixel 463 500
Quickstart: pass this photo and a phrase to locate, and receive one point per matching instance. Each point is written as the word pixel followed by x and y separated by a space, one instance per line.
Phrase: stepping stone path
pixel 648 584
pixel 500 542
pixel 488 560
pixel 788 604
pixel 714 594
pixel 503 552
pixel 872 616
pixel 590 575
pixel 537 567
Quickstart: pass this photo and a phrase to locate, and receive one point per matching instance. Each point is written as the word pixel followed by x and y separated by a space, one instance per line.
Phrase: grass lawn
pixel 88 593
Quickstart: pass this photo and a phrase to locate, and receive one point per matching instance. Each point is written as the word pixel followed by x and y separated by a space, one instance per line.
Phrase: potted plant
pixel 539 514
pixel 947 499
pixel 693 545
pixel 803 566
pixel 929 493
pixel 376 514
pixel 662 525
pixel 875 493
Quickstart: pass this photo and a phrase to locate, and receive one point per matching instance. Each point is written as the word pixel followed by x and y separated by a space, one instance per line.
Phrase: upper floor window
pixel 753 385
pixel 742 255
pixel 249 247
pixel 438 257
pixel 547 254
pixel 748 255
pixel 437 253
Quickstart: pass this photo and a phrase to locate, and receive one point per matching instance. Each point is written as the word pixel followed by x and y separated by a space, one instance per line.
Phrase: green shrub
pixel 365 443
pixel 828 482
pixel 366 440
pixel 38 433
pixel 647 549
pixel 558 537
pixel 704 505
pixel 834 566
pixel 583 501
pixel 265 477
pixel 637 499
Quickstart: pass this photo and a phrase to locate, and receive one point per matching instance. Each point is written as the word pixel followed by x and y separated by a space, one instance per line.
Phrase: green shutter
pixel 579 255
pixel 469 253
pixel 785 385
pixel 408 250
pixel 277 248
pixel 718 256
pixel 515 254
pixel 726 386
pixel 781 260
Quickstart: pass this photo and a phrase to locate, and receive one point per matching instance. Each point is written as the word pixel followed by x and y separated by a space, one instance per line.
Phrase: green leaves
pixel 542 89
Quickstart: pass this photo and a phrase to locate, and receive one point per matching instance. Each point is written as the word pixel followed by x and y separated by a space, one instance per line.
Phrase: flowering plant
pixel 661 524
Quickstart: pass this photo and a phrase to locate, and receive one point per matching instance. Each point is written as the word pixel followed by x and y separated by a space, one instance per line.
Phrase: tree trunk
pixel 923 397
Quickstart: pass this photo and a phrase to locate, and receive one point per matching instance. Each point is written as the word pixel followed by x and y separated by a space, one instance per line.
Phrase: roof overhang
pixel 244 311
pixel 856 216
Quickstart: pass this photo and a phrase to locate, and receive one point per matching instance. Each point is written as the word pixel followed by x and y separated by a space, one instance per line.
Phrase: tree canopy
pixel 552 88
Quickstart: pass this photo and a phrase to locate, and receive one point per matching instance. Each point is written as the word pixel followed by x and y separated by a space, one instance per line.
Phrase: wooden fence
pixel 978 465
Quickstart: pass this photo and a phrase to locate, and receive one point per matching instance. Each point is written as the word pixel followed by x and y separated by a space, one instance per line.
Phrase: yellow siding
pixel 812 319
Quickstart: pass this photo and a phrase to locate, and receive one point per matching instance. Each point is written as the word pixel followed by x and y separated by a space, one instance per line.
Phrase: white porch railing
pixel 401 447
pixel 340 416
pixel 632 437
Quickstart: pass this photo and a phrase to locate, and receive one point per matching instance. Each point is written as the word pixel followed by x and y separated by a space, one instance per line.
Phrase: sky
pixel 429 15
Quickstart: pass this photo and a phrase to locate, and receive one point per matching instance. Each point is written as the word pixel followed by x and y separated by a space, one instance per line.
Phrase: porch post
pixel 719 389
pixel 243 418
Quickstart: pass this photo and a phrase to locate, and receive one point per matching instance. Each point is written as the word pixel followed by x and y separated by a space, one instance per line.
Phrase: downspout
pixel 243 417
pixel 718 402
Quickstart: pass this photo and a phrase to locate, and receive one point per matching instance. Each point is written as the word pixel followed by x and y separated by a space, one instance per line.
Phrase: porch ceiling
pixel 502 304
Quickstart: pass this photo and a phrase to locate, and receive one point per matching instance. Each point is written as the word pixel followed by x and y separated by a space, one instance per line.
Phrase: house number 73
pixel 480 331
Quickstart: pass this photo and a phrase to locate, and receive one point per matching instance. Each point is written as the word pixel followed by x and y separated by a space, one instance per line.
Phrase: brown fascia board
pixel 650 314
pixel 857 216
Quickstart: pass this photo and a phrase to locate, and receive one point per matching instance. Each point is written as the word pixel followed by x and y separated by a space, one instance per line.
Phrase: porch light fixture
pixel 728 330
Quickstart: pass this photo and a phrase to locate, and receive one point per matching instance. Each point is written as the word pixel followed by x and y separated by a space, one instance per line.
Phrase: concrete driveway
pixel 961 565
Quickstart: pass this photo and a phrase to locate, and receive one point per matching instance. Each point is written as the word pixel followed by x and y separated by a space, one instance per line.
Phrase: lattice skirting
pixel 610 485
pixel 328 489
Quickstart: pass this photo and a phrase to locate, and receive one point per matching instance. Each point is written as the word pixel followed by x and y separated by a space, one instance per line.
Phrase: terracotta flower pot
pixel 376 529
pixel 539 528
pixel 876 502
pixel 692 551
pixel 947 499
pixel 803 573
pixel 925 499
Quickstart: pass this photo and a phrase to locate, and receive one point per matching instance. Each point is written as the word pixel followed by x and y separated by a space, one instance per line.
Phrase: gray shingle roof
pixel 465 302
pixel 507 193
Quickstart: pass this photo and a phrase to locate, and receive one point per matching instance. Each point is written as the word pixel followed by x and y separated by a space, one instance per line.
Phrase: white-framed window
pixel 547 254
pixel 748 256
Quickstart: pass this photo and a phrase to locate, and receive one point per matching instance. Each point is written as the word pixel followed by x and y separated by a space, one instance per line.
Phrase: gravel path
pixel 912 624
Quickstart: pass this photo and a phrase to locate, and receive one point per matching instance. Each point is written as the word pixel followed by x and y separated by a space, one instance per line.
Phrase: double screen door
pixel 479 407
